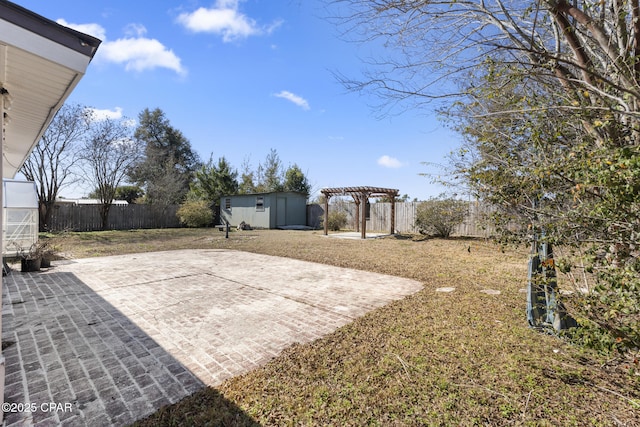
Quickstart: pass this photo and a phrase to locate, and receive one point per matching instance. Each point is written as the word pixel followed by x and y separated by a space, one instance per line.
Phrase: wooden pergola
pixel 360 196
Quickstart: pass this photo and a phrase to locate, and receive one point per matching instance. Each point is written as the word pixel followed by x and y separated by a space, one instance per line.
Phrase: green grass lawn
pixel 433 358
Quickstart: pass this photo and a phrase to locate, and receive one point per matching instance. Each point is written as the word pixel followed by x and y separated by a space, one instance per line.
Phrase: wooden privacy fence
pixel 129 217
pixel 474 224
pixel 121 217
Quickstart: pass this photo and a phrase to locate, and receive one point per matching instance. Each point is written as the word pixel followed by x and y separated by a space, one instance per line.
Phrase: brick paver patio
pixel 110 340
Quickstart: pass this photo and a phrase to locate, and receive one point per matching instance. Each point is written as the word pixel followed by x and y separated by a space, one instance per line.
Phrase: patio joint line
pixel 290 298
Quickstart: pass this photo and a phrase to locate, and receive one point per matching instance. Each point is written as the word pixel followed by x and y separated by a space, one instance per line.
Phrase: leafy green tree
pixel 270 173
pixel 214 180
pixel 95 194
pixel 295 180
pixel 550 177
pixel 168 185
pixel 169 162
pixel 267 176
pixel 549 104
pixel 124 192
pixel 247 179
pixel 130 193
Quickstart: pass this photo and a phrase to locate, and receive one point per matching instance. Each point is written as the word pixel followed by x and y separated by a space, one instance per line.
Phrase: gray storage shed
pixel 265 210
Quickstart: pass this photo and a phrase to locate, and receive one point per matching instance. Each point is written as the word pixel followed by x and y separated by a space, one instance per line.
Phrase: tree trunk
pixel 45 210
pixel 104 215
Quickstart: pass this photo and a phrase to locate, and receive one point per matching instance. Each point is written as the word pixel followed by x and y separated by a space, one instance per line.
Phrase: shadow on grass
pixel 205 407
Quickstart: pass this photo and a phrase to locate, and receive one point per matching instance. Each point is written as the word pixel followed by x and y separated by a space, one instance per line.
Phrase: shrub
pixel 195 213
pixel 337 220
pixel 609 313
pixel 439 217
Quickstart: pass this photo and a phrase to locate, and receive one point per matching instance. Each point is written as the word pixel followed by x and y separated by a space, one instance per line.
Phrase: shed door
pixel 281 211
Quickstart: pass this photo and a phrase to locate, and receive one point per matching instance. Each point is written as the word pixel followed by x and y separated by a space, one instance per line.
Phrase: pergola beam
pixel 360 196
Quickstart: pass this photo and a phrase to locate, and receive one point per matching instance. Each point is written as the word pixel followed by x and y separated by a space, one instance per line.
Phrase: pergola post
pixel 363 212
pixel 326 213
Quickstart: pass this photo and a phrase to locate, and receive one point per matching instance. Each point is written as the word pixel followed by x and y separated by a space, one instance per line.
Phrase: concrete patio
pixel 110 340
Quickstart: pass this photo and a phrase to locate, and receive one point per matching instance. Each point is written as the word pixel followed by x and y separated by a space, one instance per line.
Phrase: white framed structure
pixel 19 216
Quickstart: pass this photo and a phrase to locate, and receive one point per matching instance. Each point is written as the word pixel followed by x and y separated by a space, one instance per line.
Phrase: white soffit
pixel 40 65
pixel 38 45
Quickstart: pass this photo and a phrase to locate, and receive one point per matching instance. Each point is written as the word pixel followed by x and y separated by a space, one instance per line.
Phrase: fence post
pixel 393 214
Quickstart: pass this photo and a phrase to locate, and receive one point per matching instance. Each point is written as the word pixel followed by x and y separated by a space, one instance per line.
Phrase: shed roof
pixel 267 192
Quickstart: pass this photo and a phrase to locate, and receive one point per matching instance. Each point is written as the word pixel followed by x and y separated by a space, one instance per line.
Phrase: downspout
pixel 2 103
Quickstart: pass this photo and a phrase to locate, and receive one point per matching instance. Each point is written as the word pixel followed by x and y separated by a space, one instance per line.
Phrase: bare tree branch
pixel 53 162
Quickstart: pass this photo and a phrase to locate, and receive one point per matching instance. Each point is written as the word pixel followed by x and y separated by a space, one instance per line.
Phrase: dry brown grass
pixel 461 358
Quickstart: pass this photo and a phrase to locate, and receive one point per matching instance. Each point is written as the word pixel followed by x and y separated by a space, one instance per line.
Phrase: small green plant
pixel 195 213
pixel 439 216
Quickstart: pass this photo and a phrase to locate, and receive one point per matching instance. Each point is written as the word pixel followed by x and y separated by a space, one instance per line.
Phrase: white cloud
pixel 140 54
pixel 99 115
pixel 274 26
pixel 132 123
pixel 389 162
pixel 95 30
pixel 135 52
pixel 224 19
pixel 135 30
pixel 298 100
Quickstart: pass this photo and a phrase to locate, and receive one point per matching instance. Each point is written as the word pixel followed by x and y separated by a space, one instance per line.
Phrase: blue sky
pixel 241 77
